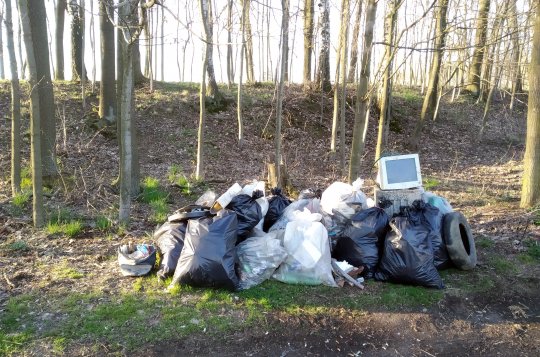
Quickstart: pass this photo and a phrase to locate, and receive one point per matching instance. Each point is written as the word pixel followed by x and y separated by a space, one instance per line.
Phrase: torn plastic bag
pixel 248 211
pixel 258 258
pixel 432 217
pixel 208 256
pixel 308 260
pixel 362 240
pixel 136 261
pixel 437 201
pixel 170 241
pixel 407 256
pixel 263 202
pixel 206 199
pixel 335 224
pixel 312 204
pixel 340 196
pixel 252 187
pixel 277 204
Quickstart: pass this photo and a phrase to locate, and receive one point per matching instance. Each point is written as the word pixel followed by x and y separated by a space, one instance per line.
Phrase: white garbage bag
pixel 339 195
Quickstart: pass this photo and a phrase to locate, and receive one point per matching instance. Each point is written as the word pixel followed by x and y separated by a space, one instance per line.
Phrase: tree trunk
pixel 83 46
pixel 206 14
pixel 107 92
pixel 361 113
pixel 45 89
pixel 479 47
pixel 35 122
pixel 250 70
pixel 530 190
pixel 309 11
pixel 78 71
pixel 239 99
pixel 516 68
pixel 432 94
pixel 279 106
pixel 2 74
pixel 230 65
pixel 60 11
pixel 323 73
pixel 354 42
pixel 341 66
pixel 389 27
pixel 202 108
pixel 15 105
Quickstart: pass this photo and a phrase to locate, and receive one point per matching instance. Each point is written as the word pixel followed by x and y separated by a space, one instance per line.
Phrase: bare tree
pixel 432 94
pixel 386 86
pixel 361 113
pixel 354 41
pixel 279 106
pixel 309 11
pixel 15 105
pixel 530 189
pixel 323 72
pixel 107 90
pixel 206 14
pixel 35 111
pixel 2 75
pixel 77 31
pixel 239 99
pixel 202 97
pixel 250 70
pixel 60 12
pixel 479 47
pixel 230 66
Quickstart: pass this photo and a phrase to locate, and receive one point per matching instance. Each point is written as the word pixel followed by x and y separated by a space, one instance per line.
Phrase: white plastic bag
pixel 312 204
pixel 255 185
pixel 263 202
pixel 308 260
pixel 339 195
pixel 258 258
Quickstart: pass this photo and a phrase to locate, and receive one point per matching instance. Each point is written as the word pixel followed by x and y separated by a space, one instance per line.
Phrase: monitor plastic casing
pixel 399 172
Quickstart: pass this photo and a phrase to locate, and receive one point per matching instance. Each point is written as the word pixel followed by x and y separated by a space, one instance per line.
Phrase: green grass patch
pixel 70 229
pixel 151 190
pixel 502 265
pixel 532 252
pixel 18 246
pixel 484 243
pixel 103 223
pixel 176 177
pixel 410 95
pixel 64 271
pixel 430 183
pixel 467 282
pixel 160 210
pixel 21 199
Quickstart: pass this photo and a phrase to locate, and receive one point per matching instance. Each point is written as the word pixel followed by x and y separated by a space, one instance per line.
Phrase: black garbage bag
pixel 209 253
pixel 407 256
pixel 433 218
pixel 248 212
pixel 362 240
pixel 170 241
pixel 276 205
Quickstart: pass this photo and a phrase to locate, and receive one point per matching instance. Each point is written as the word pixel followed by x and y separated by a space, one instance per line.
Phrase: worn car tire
pixel 459 240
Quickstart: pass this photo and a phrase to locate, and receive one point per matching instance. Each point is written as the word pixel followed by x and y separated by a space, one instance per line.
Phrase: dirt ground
pixel 480 177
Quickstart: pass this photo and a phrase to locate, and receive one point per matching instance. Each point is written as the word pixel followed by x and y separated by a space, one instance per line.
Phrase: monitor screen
pixel 401 170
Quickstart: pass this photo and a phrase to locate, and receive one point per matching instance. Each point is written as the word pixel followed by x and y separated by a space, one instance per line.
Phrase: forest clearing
pixel 166 100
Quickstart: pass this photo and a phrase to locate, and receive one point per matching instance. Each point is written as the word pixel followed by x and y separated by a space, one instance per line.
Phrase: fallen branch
pixel 11 285
pixel 338 271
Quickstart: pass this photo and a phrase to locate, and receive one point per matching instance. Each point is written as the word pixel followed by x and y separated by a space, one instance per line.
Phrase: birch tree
pixel 323 72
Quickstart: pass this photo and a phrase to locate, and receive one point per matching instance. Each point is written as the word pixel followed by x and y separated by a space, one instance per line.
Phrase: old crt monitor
pixel 399 172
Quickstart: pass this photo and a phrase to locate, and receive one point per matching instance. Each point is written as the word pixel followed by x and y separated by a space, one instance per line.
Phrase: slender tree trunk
pixel 60 11
pixel 279 106
pixel 206 14
pixel 430 99
pixel 202 113
pixel 78 71
pixel 323 73
pixel 2 74
pixel 15 105
pixel 35 121
pixel 530 190
pixel 45 89
pixel 341 66
pixel 230 66
pixel 93 45
pixel 516 68
pixel 390 26
pixel 162 43
pixel 354 42
pixel 361 113
pixel 239 99
pixel 250 70
pixel 83 40
pixel 309 12
pixel 479 47
pixel 107 91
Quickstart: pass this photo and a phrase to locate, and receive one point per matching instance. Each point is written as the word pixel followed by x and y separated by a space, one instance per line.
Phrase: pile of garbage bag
pixel 242 238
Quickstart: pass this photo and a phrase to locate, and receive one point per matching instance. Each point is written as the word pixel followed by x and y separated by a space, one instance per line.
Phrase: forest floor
pixel 61 292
